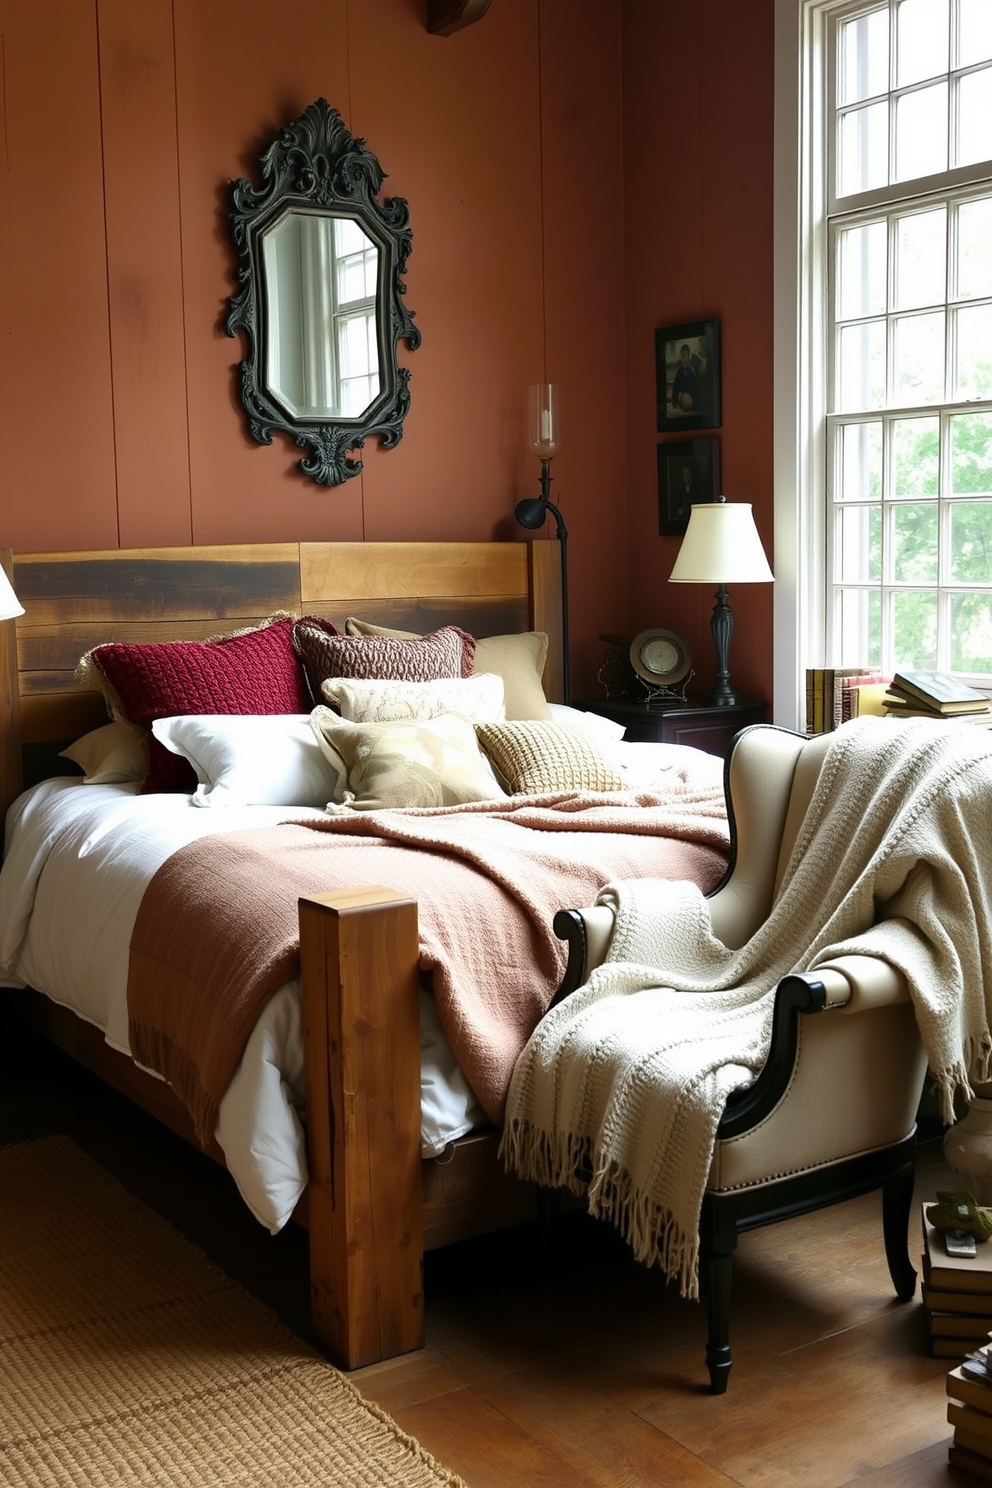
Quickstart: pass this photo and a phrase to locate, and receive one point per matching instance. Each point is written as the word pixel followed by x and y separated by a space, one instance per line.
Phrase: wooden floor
pixel 584 1368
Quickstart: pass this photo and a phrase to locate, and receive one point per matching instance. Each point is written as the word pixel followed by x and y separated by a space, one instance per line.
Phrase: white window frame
pixel 800 324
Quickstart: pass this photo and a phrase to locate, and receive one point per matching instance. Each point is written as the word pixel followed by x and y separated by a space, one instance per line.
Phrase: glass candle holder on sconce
pixel 543 420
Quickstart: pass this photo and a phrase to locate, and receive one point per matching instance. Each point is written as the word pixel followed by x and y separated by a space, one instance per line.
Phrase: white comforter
pixel 78 859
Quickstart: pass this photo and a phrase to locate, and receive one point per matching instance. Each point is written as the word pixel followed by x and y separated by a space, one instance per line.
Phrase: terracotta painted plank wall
pixel 697 128
pixel 144 243
pixel 545 190
pixel 58 473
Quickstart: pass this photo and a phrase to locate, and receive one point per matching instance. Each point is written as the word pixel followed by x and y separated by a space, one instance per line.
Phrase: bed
pixel 372 1203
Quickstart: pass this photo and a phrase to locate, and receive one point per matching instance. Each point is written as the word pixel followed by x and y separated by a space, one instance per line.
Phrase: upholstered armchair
pixel 832 1113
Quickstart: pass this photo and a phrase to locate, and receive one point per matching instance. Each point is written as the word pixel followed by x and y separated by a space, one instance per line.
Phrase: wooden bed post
pixel 359 955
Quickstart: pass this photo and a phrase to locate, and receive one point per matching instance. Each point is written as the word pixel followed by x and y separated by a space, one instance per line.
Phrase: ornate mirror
pixel 320 263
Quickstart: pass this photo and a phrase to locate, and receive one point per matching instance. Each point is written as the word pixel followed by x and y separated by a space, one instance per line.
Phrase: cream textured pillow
pixel 112 755
pixel 435 762
pixel 477 699
pixel 534 758
pixel 518 659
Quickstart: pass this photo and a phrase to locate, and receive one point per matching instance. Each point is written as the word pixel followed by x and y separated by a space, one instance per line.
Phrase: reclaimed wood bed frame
pixel 372 1205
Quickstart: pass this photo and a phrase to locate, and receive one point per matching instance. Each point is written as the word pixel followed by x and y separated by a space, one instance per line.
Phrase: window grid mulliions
pixel 909 423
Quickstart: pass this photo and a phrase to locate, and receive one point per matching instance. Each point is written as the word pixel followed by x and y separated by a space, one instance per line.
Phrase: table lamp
pixel 721 546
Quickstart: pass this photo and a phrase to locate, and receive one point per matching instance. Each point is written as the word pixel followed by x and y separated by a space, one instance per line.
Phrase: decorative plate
pixel 660 657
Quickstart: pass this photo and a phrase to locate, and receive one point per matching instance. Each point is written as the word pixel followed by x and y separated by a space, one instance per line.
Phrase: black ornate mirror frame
pixel 316 165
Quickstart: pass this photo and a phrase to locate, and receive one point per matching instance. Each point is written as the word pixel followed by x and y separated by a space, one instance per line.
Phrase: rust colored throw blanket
pixel 217 930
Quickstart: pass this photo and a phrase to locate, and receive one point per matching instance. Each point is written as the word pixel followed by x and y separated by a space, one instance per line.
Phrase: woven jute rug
pixel 127 1358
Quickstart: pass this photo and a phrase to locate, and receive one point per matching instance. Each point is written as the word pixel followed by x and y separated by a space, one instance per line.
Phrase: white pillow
pixel 478 699
pixel 251 759
pixel 593 725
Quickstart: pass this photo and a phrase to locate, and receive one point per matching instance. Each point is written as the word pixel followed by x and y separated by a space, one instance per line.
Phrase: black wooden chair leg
pixel 718 1241
pixel 715 1280
pixel 897 1208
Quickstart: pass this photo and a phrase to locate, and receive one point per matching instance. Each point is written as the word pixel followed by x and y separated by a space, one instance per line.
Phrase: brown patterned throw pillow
pixel 534 758
pixel 519 659
pixel 448 652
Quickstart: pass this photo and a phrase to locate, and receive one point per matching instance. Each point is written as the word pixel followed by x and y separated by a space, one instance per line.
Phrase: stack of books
pixel 969 1410
pixel 934 695
pixel 957 1296
pixel 836 694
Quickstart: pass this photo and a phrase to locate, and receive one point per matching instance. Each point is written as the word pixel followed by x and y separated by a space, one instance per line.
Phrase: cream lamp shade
pixel 721 546
pixel 10 605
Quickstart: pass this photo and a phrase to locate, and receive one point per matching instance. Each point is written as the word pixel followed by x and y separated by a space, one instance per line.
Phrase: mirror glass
pixel 321 260
pixel 321 276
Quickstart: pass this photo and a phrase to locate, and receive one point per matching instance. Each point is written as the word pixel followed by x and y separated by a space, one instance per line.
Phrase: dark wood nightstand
pixel 686 723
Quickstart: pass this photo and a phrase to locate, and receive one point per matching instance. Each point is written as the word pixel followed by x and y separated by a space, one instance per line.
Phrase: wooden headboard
pixel 74 601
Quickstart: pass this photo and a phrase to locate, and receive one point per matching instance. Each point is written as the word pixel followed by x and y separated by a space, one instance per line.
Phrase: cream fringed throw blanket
pixel 626 1080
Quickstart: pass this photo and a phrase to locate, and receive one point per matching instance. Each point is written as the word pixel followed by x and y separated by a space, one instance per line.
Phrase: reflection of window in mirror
pixel 357 261
pixel 321 277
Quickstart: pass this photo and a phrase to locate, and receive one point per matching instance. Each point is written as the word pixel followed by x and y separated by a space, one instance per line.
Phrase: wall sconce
pixel 721 546
pixel 544 440
pixel 10 605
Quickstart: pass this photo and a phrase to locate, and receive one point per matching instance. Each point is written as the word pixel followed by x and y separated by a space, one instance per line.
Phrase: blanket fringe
pixel 564 1160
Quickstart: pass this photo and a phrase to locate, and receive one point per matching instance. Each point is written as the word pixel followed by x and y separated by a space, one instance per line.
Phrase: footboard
pixel 373 1205
pixel 359 955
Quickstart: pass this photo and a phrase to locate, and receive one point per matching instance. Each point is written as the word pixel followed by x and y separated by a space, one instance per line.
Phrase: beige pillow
pixel 535 758
pixel 518 659
pixel 434 762
pixel 477 699
pixel 115 754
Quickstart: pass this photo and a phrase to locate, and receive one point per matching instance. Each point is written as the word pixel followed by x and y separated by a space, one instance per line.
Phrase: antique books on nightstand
pixel 957 1296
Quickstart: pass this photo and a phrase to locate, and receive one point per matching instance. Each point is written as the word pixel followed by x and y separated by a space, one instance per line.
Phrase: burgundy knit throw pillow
pixel 448 652
pixel 255 672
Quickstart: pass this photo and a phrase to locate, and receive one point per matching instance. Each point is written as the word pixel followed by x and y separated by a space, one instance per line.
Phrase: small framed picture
pixel 688 471
pixel 687 374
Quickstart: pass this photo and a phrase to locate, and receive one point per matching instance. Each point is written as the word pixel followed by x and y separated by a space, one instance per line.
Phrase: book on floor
pixel 953 1348
pixel 977 1423
pixel 939 1299
pixel 972 1443
pixel 967 1391
pixel 954 1273
pixel 961 1326
pixel 972 1462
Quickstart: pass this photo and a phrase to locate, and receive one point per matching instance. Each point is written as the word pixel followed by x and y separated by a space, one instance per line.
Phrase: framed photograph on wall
pixel 687 373
pixel 688 471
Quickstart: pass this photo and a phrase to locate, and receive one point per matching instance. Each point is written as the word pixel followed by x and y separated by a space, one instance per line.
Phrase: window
pixel 897 361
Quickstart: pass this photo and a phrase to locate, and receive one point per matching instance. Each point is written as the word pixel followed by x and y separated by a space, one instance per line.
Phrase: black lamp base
pixel 722 698
pixel 722 695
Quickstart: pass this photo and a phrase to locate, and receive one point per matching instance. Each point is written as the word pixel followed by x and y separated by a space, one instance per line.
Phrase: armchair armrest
pixel 587 932
pixel 871 983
